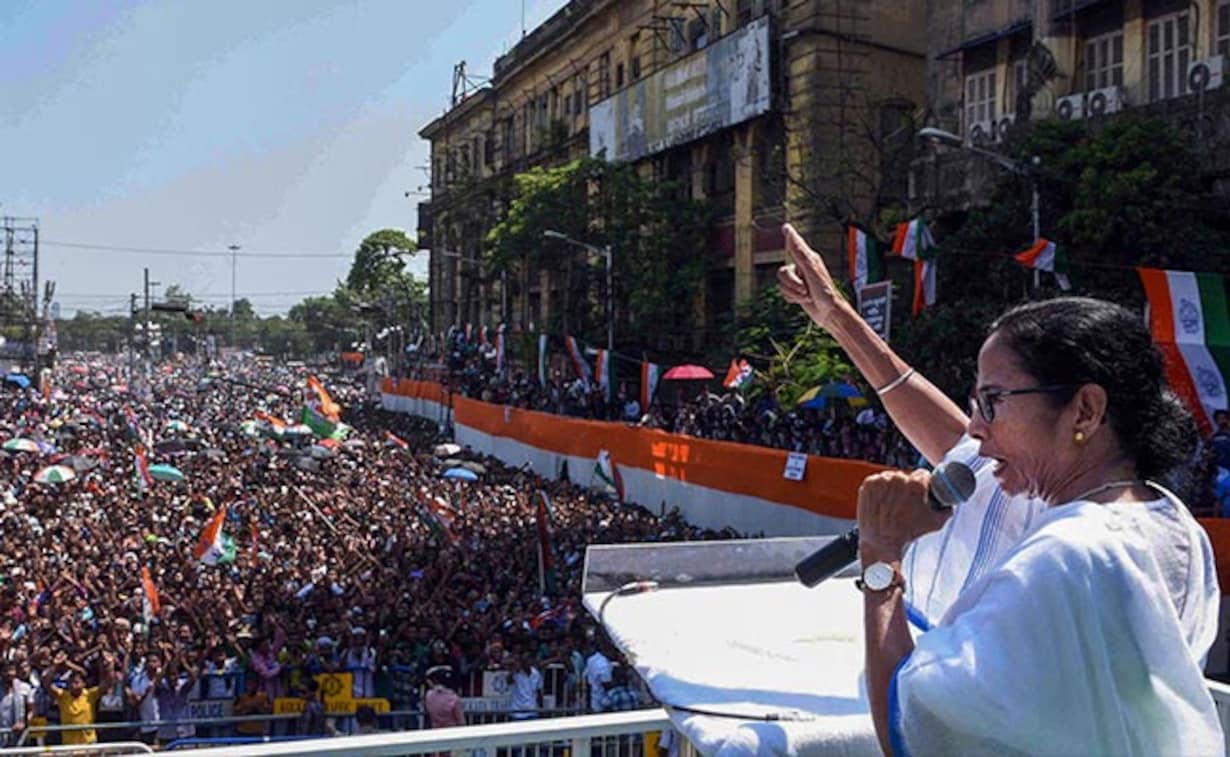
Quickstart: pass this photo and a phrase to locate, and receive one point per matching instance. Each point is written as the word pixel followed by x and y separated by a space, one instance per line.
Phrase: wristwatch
pixel 879 576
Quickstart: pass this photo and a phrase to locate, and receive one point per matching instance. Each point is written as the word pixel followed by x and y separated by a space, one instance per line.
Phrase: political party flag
pixel 437 516
pixel 141 474
pixel 325 403
pixel 150 605
pixel 913 241
pixel 602 372
pixel 322 426
pixel 1045 255
pixel 578 360
pixel 1191 325
pixel 542 359
pixel 650 374
pixel 866 267
pixel 608 473
pixel 212 545
pixel 738 375
pixel 546 561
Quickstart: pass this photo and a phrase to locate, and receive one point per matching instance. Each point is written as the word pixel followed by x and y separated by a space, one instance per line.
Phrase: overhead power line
pixel 191 253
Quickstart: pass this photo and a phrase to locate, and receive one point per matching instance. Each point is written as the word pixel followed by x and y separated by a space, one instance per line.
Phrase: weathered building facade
pixel 769 111
pixel 993 64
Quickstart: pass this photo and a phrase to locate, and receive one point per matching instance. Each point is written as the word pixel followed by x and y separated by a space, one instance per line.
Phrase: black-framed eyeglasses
pixel 984 400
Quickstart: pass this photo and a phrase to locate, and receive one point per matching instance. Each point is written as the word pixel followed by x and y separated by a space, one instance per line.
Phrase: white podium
pixel 745 660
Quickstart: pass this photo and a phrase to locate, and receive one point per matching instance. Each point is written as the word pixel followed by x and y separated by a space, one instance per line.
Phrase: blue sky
pixel 279 125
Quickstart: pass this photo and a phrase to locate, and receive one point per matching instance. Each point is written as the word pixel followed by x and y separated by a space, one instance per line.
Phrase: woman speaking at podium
pixel 1087 634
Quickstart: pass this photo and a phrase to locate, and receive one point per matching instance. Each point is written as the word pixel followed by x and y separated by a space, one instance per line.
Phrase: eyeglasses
pixel 984 400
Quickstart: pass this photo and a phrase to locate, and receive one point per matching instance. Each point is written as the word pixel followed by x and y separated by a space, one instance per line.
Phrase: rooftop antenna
pixel 522 18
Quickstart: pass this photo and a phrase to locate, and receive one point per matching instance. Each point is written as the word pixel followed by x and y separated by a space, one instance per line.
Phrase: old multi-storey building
pixel 768 110
pixel 994 63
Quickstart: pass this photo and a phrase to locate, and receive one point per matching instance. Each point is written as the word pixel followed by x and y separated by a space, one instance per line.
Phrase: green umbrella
pixel 177 425
pixel 166 473
pixel 21 445
pixel 55 474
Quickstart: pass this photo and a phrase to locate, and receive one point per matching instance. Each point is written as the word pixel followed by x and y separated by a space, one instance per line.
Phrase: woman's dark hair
pixel 1079 340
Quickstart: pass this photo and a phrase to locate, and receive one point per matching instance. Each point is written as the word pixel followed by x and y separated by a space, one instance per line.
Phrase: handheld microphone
pixel 951 484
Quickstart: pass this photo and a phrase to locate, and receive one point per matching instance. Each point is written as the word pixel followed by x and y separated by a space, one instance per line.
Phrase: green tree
pixel 378 266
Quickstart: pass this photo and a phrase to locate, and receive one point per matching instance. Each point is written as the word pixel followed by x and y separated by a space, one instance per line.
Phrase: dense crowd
pixel 357 556
pixel 842 429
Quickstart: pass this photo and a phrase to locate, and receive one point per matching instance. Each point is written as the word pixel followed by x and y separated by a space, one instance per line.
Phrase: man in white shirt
pixel 526 689
pixel 597 675
pixel 16 704
pixel 142 694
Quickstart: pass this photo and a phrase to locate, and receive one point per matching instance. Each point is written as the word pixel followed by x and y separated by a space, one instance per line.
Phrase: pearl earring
pixel 1079 437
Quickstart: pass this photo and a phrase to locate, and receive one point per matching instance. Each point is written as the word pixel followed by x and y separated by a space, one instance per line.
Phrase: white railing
pixel 1221 698
pixel 577 733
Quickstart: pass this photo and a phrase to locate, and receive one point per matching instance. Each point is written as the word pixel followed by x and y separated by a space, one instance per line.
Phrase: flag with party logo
pixel 913 241
pixel 150 604
pixel 1191 325
pixel 866 266
pixel 738 375
pixel 213 545
pixel 1047 256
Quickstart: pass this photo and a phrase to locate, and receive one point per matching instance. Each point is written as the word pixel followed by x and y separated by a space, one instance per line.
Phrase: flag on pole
pixel 1191 325
pixel 1045 255
pixel 482 335
pixel 141 474
pixel 469 333
pixel 913 241
pixel 738 375
pixel 578 360
pixel 546 562
pixel 437 516
pixel 325 403
pixel 602 371
pixel 650 373
pixel 396 440
pixel 866 267
pixel 542 359
pixel 150 605
pixel 212 545
pixel 608 473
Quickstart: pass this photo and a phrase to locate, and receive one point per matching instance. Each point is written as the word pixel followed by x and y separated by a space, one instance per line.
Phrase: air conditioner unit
pixel 981 132
pixel 1002 126
pixel 1205 74
pixel 1070 108
pixel 1104 101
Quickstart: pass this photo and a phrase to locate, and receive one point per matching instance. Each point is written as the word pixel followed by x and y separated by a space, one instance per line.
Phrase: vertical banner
pixel 542 359
pixel 875 305
pixel 650 373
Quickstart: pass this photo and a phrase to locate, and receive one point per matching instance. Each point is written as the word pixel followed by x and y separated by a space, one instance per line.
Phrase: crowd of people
pixel 842 429
pixel 355 556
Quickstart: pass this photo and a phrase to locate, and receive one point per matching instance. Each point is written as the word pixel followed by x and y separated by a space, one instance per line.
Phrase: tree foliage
pixel 654 234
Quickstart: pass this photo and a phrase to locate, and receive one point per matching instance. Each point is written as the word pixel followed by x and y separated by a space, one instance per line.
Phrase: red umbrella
pixel 687 372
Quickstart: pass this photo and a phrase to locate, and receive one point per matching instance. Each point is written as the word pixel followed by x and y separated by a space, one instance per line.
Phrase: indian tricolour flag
pixel 865 264
pixel 602 372
pixel 578 360
pixel 650 374
pixel 212 545
pixel 913 241
pixel 1191 325
pixel 1045 255
pixel 608 473
pixel 151 606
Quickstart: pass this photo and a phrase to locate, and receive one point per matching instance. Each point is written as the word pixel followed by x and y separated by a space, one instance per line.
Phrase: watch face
pixel 878 576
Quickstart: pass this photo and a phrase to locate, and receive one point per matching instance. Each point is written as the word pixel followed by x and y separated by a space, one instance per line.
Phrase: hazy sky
pixel 278 125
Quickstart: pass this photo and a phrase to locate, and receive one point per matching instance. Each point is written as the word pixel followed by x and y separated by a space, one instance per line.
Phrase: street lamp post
pixel 605 252
pixel 234 259
pixel 1012 166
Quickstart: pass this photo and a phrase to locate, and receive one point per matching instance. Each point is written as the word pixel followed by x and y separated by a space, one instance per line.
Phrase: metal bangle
pixel 895 383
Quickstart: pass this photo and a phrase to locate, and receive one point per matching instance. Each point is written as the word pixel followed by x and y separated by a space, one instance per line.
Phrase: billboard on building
pixel 722 85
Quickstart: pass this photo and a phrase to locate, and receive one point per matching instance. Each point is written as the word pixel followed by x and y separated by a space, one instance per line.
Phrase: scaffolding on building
pixel 19 297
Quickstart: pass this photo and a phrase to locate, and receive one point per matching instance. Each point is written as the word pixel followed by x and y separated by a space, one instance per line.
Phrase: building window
pixel 1104 61
pixel 698 34
pixel 1168 50
pixel 1020 79
pixel 619 75
pixel 979 97
pixel 1221 38
pixel 679 41
pixel 489 149
pixel 743 12
pixel 636 69
pixel 604 75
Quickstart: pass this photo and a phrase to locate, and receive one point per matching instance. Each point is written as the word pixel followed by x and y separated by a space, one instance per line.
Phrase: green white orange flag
pixel 1191 325
pixel 650 375
pixel 866 267
pixel 913 241
pixel 328 407
pixel 150 604
pixel 602 372
pixel 1045 255
pixel 212 545
pixel 608 473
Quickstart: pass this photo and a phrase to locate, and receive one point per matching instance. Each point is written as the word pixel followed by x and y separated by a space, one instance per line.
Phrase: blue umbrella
pixel 461 473
pixel 18 379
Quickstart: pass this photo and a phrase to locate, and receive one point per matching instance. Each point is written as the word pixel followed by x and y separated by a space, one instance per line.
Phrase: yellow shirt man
pixel 79 710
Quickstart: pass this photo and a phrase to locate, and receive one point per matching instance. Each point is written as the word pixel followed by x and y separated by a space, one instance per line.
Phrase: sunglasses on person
pixel 984 400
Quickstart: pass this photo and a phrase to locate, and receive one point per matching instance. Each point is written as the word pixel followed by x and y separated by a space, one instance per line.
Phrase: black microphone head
pixel 951 484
